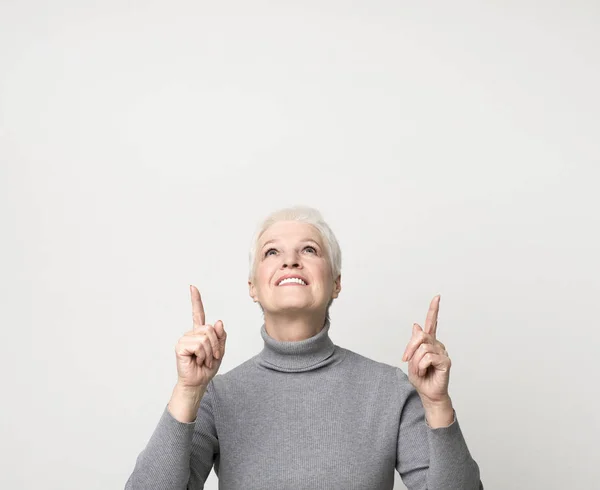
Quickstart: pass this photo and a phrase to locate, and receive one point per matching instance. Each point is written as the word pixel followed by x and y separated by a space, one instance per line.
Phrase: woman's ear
pixel 252 291
pixel 337 286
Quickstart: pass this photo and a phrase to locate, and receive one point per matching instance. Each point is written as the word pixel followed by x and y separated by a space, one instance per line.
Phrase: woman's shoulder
pixel 375 367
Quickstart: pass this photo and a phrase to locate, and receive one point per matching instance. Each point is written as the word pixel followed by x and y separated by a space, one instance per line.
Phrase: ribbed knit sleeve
pixel 178 456
pixel 431 459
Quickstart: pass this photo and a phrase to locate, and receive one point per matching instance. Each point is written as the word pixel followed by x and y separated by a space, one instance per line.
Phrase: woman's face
pixel 296 249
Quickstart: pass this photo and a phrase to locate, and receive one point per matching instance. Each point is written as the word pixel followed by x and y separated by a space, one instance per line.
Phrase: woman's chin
pixel 292 305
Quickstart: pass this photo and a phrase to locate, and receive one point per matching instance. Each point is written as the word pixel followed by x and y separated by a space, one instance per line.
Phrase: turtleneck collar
pixel 297 356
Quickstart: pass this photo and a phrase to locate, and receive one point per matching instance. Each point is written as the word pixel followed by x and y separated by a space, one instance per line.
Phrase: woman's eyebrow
pixel 311 240
pixel 304 240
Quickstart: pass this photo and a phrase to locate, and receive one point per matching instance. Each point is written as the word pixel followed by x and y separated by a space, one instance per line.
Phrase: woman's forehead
pixel 290 230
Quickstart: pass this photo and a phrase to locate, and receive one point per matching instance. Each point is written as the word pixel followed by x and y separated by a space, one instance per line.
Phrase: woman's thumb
pixel 220 329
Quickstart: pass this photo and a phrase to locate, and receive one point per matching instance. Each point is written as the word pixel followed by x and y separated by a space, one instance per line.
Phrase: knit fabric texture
pixel 307 415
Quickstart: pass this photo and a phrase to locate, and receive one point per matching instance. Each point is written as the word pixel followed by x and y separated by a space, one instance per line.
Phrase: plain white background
pixel 453 147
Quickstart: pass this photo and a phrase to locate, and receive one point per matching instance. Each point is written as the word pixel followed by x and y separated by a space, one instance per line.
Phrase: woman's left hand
pixel 428 361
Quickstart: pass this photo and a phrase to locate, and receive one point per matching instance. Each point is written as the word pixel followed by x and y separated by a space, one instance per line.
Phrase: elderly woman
pixel 305 413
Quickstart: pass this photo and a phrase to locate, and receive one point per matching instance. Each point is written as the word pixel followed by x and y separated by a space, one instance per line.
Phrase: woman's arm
pixel 432 458
pixel 180 454
pixel 432 453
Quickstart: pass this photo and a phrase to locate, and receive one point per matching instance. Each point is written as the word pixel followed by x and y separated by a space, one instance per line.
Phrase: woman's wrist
pixel 439 413
pixel 185 402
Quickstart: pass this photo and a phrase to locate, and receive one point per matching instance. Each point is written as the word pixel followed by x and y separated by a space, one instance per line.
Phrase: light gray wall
pixel 453 147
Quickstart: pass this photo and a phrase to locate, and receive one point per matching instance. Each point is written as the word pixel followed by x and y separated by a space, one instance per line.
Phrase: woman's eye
pixel 312 249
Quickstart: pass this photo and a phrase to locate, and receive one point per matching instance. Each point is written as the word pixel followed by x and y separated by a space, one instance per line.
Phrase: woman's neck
pixel 293 328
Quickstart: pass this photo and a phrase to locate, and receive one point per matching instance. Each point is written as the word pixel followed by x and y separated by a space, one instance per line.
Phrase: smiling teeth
pixel 292 279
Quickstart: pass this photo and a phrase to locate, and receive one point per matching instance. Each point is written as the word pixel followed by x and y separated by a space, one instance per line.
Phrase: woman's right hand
pixel 200 351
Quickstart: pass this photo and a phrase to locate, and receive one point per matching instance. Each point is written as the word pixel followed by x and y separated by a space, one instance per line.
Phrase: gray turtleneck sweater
pixel 307 415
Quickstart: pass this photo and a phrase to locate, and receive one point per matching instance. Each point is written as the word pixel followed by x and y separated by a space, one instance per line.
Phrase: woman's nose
pixel 291 260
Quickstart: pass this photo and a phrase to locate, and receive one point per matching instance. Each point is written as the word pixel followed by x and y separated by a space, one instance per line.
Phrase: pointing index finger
pixel 432 316
pixel 197 307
